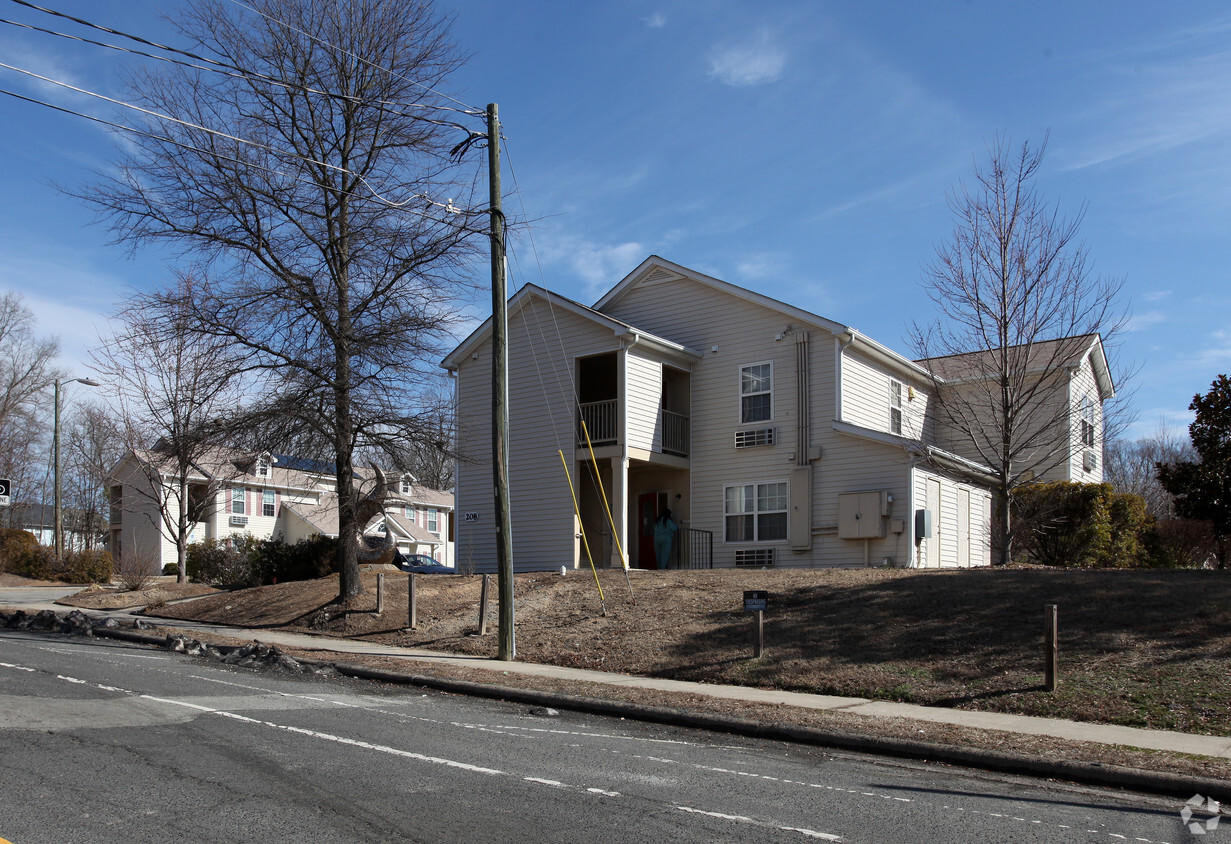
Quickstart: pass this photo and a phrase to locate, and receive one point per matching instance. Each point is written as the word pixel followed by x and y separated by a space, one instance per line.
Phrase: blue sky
pixel 800 148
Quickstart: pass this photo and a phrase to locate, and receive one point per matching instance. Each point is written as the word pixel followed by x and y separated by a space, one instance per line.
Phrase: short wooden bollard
pixel 1051 661
pixel 380 593
pixel 483 604
pixel 412 612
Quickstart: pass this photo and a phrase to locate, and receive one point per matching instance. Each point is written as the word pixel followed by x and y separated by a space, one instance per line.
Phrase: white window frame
pixel 269 503
pixel 410 514
pixel 433 521
pixel 262 467
pixel 756 512
pixel 896 410
pixel 239 496
pixel 405 486
pixel 1088 432
pixel 739 389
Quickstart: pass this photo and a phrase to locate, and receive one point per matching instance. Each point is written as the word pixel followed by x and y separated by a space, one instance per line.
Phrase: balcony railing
pixel 675 433
pixel 600 418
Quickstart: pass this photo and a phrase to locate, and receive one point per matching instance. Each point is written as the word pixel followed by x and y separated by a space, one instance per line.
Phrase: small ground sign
pixel 755 600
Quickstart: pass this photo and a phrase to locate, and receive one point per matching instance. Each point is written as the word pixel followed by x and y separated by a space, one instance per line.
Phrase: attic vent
pixel 657 276
pixel 754 557
pixel 1089 460
pixel 754 437
pixel 239 521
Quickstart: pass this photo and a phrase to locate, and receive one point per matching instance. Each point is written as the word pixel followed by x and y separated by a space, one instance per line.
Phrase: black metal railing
pixel 694 549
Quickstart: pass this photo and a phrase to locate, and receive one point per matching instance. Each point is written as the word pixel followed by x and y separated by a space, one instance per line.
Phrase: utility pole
pixel 500 395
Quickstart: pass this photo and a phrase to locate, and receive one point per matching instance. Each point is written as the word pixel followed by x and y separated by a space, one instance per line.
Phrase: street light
pixel 89 382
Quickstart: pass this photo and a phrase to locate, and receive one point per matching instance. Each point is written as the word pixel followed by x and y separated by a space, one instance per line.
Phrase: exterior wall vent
pixel 754 557
pixel 754 437
pixel 1089 460
pixel 239 521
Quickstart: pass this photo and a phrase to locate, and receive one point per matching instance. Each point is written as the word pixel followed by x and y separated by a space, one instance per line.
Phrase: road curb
pixel 1010 763
pixel 1133 779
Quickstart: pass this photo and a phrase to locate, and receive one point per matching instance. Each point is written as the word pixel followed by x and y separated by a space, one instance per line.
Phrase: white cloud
pixel 1155 295
pixel 597 266
pixel 1138 322
pixel 656 21
pixel 759 265
pixel 755 62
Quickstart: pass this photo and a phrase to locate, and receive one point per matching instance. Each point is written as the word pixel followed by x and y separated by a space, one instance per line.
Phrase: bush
pixel 247 561
pixel 13 543
pixel 37 562
pixel 220 563
pixel 1179 543
pixel 1072 524
pixel 172 569
pixel 92 566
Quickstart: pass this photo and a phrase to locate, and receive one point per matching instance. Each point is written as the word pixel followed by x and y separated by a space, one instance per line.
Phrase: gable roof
pixel 1033 358
pixel 529 292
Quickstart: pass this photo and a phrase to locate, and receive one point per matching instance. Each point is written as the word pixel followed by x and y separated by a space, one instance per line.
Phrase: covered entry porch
pixel 637 491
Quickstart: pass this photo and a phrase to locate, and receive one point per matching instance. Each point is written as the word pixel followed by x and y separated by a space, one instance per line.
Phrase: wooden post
pixel 758 646
pixel 483 598
pixel 380 593
pixel 412 620
pixel 1051 662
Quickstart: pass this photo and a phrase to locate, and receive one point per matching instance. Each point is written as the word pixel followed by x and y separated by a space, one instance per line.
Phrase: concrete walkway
pixel 34 600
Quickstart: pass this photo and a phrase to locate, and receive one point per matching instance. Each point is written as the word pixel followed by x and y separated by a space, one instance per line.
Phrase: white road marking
pixel 810 833
pixel 16 667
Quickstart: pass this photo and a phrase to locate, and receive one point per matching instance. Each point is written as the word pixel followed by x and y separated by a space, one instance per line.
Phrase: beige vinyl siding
pixel 945 522
pixel 644 397
pixel 866 397
pixel 1083 384
pixel 851 464
pixel 544 343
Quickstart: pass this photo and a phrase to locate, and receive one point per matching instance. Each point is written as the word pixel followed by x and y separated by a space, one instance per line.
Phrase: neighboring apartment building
pixel 267 496
pixel 775 436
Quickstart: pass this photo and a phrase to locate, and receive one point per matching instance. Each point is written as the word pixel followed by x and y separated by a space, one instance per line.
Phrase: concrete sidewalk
pixel 1187 743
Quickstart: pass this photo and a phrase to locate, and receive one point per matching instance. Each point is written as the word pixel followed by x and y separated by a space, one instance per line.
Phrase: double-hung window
pixel 238 503
pixel 409 512
pixel 1087 422
pixel 262 467
pixel 756 393
pixel 433 520
pixel 755 512
pixel 895 407
pixel 269 504
pixel 405 486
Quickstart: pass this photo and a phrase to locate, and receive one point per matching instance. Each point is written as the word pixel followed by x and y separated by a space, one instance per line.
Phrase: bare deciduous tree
pixel 93 442
pixel 1018 303
pixel 26 369
pixel 333 242
pixel 1133 467
pixel 172 386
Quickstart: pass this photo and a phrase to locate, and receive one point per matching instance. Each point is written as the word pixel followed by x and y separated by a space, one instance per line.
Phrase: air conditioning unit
pixel 1089 460
pixel 754 437
pixel 239 521
pixel 754 557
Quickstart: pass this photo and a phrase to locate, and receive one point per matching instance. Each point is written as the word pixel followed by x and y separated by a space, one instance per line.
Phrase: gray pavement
pixel 36 599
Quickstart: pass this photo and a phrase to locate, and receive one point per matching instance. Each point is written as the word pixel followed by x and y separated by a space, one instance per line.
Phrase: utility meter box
pixel 861 515
pixel 923 524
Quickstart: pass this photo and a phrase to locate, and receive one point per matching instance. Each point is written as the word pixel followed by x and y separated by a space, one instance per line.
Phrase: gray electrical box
pixel 923 524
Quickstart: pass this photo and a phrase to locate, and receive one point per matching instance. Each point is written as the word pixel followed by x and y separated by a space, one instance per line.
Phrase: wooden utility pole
pixel 500 395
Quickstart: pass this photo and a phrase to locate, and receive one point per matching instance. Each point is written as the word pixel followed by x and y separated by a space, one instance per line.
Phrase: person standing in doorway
pixel 664 535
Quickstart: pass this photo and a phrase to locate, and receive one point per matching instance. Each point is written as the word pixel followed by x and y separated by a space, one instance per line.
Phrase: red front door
pixel 647 512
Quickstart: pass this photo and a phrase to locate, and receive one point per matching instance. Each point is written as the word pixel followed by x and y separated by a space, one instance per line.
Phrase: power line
pixel 449 207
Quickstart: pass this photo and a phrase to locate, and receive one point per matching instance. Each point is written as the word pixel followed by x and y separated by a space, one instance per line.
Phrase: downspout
pixel 800 527
pixel 849 336
pixel 803 423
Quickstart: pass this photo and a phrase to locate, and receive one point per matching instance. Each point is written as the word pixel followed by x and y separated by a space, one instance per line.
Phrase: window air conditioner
pixel 1089 460
pixel 239 521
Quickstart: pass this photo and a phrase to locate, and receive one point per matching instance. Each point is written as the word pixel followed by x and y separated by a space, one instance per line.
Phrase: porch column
pixel 619 510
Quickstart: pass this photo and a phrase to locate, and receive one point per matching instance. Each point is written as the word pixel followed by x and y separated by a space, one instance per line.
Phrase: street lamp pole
pixel 89 382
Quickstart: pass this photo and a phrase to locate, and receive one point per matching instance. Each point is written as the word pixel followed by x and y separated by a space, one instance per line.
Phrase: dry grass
pixel 1140 648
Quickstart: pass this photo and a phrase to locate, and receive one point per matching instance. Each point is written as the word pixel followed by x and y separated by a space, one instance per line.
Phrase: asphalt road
pixel 104 741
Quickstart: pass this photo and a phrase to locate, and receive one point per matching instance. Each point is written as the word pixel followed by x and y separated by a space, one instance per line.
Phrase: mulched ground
pixel 1140 648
